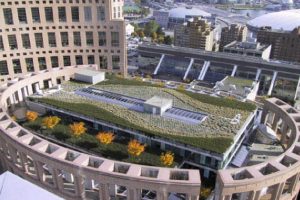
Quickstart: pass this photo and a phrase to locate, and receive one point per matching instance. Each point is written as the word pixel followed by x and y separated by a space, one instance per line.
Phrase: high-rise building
pixel 285 44
pixel 196 33
pixel 40 35
pixel 235 32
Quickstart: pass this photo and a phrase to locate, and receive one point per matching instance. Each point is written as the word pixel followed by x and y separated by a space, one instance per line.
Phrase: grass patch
pixel 216 144
pixel 222 102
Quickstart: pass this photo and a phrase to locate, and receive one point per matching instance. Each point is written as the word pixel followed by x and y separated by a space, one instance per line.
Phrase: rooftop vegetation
pixel 214 134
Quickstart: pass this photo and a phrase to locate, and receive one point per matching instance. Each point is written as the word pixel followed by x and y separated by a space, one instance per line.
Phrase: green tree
pixel 150 27
pixel 154 36
pixel 168 40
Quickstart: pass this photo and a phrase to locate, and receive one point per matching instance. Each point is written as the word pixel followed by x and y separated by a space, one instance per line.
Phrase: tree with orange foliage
pixel 77 129
pixel 105 137
pixel 135 148
pixel 31 116
pixel 167 158
pixel 51 121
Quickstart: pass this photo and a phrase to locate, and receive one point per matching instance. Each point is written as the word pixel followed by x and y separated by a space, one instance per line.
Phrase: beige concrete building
pixel 75 175
pixel 196 33
pixel 285 44
pixel 39 35
pixel 235 32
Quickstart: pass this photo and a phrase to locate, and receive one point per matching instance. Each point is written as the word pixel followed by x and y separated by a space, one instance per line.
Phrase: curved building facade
pixel 72 174
pixel 38 35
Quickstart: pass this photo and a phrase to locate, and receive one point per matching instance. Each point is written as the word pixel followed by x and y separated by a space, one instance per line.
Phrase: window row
pixel 17 68
pixel 35 14
pixel 65 38
pixel 55 1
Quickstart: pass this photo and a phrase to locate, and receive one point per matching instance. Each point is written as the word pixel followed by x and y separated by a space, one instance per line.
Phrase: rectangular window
pixel 87 14
pixel 1 43
pixel 54 61
pixel 39 40
pixel 42 63
pixel 75 14
pixel 77 38
pixel 8 17
pixel 100 13
pixel 52 39
pixel 62 14
pixel 35 13
pixel 115 62
pixel 49 14
pixel 89 38
pixel 78 60
pixel 64 39
pixel 103 62
pixel 91 60
pixel 17 66
pixel 26 41
pixel 29 64
pixel 115 39
pixel 3 68
pixel 22 16
pixel 12 41
pixel 102 38
pixel 67 61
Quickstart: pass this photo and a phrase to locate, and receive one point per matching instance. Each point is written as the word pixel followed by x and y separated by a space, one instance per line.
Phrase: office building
pixel 234 32
pixel 196 33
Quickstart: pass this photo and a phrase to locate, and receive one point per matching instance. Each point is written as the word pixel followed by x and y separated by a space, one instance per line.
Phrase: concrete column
pixel 39 170
pixel 272 83
pixel 50 84
pixel 158 65
pixel 12 153
pixel 20 95
pixel 191 197
pixel 57 179
pixel 53 82
pixel 234 70
pixel 294 183
pixel 79 186
pixel 24 162
pixel 276 194
pixel 254 195
pixel 275 123
pixel 162 195
pixel 103 191
pixel 29 89
pixel 12 99
pixel 25 92
pixel 283 130
pixel 258 72
pixel 134 193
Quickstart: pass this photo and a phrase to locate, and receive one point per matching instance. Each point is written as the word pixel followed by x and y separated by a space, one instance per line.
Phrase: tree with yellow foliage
pixel 50 121
pixel 14 118
pixel 77 129
pixel 105 137
pixel 167 158
pixel 135 148
pixel 31 115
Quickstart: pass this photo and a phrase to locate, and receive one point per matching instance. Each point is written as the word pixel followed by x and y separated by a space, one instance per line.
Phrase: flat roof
pixel 87 72
pixel 266 148
pixel 158 101
pixel 13 187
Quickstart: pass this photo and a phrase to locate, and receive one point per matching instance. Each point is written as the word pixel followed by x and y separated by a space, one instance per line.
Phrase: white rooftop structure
pixel 90 76
pixel 157 105
pixel 13 187
pixel 284 20
pixel 182 12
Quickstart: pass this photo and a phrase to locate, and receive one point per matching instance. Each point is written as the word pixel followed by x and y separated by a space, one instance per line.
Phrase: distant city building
pixel 235 32
pixel 285 44
pixel 286 20
pixel 161 17
pixel 196 33
pixel 249 49
pixel 179 15
pixel 129 29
